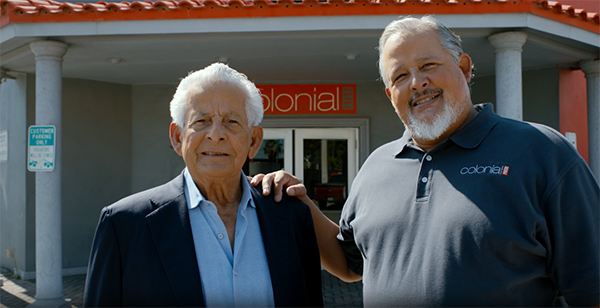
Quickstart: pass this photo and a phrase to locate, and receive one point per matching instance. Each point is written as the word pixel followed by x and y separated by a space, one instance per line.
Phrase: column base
pixel 55 302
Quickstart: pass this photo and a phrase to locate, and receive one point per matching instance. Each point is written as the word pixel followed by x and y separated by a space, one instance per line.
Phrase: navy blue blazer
pixel 143 252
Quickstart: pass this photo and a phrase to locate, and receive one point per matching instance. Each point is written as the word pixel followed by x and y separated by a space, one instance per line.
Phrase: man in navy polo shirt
pixel 467 208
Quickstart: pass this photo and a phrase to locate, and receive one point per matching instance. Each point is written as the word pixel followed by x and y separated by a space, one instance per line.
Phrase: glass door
pixel 326 162
pixel 275 153
pixel 324 159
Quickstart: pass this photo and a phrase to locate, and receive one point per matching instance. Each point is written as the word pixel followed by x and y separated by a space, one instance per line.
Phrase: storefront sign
pixel 309 99
pixel 41 148
pixel 3 146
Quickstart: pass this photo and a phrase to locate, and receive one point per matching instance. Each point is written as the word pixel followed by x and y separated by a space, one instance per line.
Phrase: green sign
pixel 41 148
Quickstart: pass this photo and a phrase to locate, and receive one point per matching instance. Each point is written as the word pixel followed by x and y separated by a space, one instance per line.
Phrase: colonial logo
pixel 490 169
pixel 308 99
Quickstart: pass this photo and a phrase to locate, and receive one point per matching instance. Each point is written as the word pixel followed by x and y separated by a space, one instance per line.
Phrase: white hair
pixel 450 41
pixel 210 75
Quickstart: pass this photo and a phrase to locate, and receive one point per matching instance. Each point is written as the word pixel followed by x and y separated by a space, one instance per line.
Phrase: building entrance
pixel 325 159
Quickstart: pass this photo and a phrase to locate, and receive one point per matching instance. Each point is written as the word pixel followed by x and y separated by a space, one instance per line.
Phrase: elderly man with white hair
pixel 207 238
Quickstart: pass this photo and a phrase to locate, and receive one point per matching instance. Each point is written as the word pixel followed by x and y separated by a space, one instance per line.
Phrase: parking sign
pixel 41 148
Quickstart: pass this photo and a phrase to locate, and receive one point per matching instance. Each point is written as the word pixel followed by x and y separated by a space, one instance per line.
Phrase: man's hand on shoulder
pixel 279 180
pixel 332 255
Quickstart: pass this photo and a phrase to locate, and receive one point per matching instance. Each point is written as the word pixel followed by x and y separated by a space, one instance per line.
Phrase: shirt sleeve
pixel 572 213
pixel 103 283
pixel 346 239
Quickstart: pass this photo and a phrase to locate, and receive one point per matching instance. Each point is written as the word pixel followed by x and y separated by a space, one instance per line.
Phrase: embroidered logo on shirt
pixel 491 169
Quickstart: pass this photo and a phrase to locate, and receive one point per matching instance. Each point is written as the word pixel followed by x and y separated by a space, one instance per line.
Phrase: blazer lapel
pixel 171 231
pixel 275 235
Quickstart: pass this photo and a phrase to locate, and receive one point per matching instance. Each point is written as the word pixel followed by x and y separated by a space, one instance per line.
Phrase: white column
pixel 591 68
pixel 324 171
pixel 509 87
pixel 48 198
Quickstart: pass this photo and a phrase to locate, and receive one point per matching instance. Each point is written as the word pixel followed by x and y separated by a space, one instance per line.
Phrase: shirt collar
pixel 470 136
pixel 404 141
pixel 195 197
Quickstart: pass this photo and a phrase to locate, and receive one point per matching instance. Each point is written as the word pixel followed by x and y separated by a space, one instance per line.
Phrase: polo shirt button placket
pixel 425 172
pixel 427 158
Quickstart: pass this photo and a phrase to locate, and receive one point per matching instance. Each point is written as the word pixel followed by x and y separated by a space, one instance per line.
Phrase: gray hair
pixel 210 75
pixel 450 41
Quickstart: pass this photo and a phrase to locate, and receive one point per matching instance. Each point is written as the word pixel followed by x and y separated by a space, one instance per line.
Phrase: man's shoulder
pixel 541 135
pixel 287 204
pixel 536 145
pixel 143 202
pixel 295 205
pixel 389 149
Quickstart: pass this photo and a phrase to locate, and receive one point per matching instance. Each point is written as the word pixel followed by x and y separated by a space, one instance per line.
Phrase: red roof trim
pixel 27 11
pixel 561 9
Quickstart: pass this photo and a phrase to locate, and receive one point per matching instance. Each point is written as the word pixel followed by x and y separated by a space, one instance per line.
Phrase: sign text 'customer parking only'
pixel 41 148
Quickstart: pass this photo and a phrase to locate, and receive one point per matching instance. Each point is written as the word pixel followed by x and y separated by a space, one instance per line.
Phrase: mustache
pixel 426 92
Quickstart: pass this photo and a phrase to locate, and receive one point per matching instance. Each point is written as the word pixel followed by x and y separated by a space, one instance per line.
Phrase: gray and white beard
pixel 441 123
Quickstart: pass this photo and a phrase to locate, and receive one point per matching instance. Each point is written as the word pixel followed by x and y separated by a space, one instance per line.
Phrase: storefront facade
pixel 112 68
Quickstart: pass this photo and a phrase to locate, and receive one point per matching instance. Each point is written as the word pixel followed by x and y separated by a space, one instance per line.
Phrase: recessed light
pixel 351 56
pixel 114 60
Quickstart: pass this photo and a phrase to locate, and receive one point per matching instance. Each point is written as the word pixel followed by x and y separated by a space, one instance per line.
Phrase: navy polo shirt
pixel 502 213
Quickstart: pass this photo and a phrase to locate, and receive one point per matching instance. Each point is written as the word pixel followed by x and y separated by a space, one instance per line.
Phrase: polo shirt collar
pixel 404 141
pixel 467 137
pixel 472 134
pixel 195 197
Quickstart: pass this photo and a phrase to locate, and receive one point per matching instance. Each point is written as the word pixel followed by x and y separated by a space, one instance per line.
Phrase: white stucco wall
pixel 154 162
pixel 96 159
pixel 13 207
pixel 96 166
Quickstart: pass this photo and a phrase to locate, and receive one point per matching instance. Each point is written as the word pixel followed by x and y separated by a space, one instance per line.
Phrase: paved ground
pixel 337 293
pixel 20 293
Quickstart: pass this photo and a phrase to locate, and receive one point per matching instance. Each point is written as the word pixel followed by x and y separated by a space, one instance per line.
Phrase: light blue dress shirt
pixel 229 279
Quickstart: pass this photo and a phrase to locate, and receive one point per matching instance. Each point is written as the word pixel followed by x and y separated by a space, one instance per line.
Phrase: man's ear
pixel 175 136
pixel 466 66
pixel 256 142
pixel 388 93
